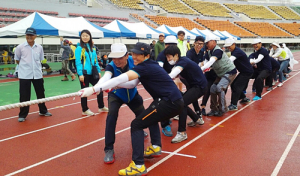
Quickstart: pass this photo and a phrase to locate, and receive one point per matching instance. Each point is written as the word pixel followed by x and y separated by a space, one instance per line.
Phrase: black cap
pixel 199 38
pixel 141 48
pixel 30 31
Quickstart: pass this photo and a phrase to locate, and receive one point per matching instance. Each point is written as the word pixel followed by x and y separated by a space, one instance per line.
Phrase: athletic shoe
pixel 203 112
pixel 167 131
pixel 133 170
pixel 219 114
pixel 88 112
pixel 287 75
pixel 200 121
pixel 256 98
pixel 176 117
pixel 280 84
pixel 20 119
pixel 65 79
pixel 73 77
pixel 270 88
pixel 212 113
pixel 46 114
pixel 253 90
pixel 180 136
pixel 152 152
pixel 274 82
pixel 109 157
pixel 284 78
pixel 232 107
pixel 245 100
pixel 104 109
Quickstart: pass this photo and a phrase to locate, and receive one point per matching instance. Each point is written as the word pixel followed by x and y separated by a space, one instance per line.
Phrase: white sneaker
pixel 200 121
pixel 176 117
pixel 180 136
pixel 280 84
pixel 88 112
pixel 104 109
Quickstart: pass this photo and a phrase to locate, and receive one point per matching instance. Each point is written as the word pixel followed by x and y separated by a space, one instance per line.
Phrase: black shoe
pixel 219 114
pixel 46 114
pixel 212 113
pixel 245 100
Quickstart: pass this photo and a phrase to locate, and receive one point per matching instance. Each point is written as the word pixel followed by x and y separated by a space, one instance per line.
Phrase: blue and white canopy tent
pixel 174 30
pixel 166 29
pixel 229 35
pixel 133 30
pixel 53 26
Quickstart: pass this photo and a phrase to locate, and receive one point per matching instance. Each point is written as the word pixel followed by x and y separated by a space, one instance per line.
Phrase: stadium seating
pixel 132 4
pixel 97 17
pixel 138 17
pixel 225 26
pixel 263 29
pixel 253 11
pixel 293 28
pixel 172 6
pixel 285 12
pixel 174 22
pixel 296 9
pixel 209 8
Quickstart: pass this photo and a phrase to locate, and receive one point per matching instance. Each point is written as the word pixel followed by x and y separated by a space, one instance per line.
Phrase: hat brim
pixel 275 45
pixel 137 51
pixel 255 43
pixel 117 54
pixel 228 44
pixel 29 33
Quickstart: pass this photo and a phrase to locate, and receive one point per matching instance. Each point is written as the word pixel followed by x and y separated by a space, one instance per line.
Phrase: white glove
pixel 86 92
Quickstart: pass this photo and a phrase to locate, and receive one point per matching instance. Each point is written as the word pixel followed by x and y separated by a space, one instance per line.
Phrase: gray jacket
pixel 66 53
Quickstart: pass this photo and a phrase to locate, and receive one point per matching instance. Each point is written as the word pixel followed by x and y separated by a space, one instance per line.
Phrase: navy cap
pixel 141 48
pixel 30 31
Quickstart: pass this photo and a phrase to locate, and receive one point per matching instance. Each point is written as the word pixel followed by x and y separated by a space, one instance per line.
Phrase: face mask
pixel 172 62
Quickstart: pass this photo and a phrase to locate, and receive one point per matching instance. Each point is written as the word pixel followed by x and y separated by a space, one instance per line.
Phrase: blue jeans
pixel 283 66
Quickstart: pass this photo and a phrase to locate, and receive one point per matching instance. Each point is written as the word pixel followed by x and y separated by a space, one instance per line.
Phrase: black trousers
pixel 25 93
pixel 210 82
pixel 88 79
pixel 237 87
pixel 195 104
pixel 260 76
pixel 190 96
pixel 158 111
pixel 114 104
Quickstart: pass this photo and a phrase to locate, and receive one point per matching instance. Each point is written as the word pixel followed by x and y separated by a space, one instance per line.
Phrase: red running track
pixel 260 138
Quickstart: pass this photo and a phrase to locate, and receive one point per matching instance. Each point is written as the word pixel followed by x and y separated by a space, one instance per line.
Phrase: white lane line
pixel 190 156
pixel 204 133
pixel 285 153
pixel 57 107
pixel 62 154
pixel 42 129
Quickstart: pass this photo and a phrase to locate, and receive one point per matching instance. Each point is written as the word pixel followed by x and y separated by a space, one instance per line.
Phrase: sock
pixel 138 166
pixel 155 146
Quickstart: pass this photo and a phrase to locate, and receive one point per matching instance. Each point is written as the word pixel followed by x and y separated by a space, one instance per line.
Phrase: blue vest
pixel 124 94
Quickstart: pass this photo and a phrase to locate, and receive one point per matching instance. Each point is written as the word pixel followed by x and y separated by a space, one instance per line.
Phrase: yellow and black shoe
pixel 152 152
pixel 133 170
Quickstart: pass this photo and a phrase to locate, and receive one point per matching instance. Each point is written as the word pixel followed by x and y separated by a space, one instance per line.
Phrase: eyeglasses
pixel 199 44
pixel 182 35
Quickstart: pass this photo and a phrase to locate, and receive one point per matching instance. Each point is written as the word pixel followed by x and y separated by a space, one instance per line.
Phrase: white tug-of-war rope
pixel 42 100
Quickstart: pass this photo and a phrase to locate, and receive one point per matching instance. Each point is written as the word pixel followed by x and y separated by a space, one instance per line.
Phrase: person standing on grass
pixel 167 102
pixel 85 58
pixel 242 64
pixel 65 59
pixel 28 56
pixel 72 65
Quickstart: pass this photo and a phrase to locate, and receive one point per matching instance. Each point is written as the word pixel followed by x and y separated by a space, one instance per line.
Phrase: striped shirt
pixel 29 58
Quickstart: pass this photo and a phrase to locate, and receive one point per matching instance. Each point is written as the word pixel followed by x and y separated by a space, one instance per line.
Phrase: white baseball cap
pixel 171 39
pixel 256 41
pixel 210 37
pixel 276 44
pixel 117 50
pixel 229 42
